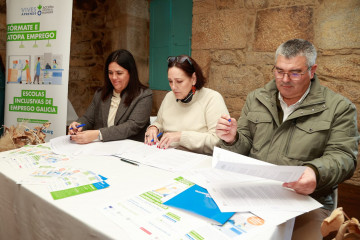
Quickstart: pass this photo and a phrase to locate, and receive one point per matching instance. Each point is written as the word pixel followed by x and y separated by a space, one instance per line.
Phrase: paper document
pixel 63 145
pixel 242 164
pixel 260 195
pixel 168 159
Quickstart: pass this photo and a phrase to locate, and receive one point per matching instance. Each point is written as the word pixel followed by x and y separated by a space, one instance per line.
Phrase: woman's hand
pixel 85 137
pixel 151 134
pixel 169 138
pixel 73 128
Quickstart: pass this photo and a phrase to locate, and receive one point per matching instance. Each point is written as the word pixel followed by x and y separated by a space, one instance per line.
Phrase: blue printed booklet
pixel 197 200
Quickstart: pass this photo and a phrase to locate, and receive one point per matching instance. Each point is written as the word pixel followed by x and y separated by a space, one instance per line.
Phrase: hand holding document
pixel 265 194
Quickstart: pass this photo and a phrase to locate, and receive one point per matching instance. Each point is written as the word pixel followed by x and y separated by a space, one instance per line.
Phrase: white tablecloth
pixel 29 211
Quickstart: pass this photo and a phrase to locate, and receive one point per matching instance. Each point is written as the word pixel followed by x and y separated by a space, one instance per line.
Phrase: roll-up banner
pixel 37 64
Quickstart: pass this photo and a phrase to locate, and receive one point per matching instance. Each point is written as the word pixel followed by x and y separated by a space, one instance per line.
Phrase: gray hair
pixel 297 47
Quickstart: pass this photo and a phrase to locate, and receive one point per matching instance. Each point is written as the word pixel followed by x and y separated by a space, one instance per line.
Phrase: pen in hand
pixel 159 135
pixel 78 126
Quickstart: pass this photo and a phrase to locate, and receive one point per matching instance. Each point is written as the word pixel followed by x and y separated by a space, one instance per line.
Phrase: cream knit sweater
pixel 195 120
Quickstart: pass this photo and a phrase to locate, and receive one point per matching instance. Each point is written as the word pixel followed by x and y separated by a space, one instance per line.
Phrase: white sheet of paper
pixel 168 159
pixel 245 165
pixel 260 195
pixel 206 177
pixel 63 145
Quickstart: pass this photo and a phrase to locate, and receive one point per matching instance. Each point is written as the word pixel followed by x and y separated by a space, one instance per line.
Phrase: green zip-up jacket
pixel 321 133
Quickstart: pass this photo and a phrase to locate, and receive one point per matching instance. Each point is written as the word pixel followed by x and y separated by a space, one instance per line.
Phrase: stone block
pixel 96 75
pixel 95 20
pixel 203 59
pixel 234 105
pixel 261 4
pixel 255 4
pixel 337 24
pixel 225 57
pixel 97 47
pixel 260 58
pixel 341 67
pixel 137 35
pixel 81 48
pixel 235 81
pixel 277 25
pixel 203 6
pixel 3 21
pixel 229 4
pixel 219 30
pixel 85 61
pixel 87 5
pixel 3 7
pixel 348 90
pixel 80 74
pixel 140 9
pixel 3 38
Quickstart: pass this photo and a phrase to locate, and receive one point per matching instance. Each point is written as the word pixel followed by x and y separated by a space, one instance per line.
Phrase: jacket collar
pixel 315 95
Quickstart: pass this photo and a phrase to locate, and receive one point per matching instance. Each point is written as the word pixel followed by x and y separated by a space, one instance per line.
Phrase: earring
pixel 193 89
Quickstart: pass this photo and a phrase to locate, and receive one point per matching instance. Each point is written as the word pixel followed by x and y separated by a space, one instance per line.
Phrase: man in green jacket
pixel 294 120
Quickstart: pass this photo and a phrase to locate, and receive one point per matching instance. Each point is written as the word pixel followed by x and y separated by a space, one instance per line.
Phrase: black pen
pixel 128 161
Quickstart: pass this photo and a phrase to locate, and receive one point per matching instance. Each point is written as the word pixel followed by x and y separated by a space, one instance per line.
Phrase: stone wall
pixel 235 40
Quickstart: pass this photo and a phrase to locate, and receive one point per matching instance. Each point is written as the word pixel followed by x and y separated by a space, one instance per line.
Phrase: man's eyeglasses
pixel 295 76
pixel 179 59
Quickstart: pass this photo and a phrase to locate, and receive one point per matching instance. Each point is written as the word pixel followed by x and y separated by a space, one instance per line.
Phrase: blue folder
pixel 197 200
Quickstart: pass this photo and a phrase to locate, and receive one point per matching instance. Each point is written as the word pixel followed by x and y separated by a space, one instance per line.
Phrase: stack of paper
pixel 238 183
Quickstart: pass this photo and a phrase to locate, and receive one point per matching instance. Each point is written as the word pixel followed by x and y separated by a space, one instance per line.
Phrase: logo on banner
pixel 39 10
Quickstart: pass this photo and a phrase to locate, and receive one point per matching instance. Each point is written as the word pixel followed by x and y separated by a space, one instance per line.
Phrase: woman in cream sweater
pixel 188 114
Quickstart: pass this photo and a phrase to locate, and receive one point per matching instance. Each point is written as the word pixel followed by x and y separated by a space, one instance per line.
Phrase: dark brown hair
pixel 126 60
pixel 189 66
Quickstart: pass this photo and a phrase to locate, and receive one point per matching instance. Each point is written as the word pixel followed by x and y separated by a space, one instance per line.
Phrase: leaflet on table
pixel 197 200
pixel 145 217
pixel 32 156
pixel 230 161
pixel 260 195
pixel 44 174
pixel 75 184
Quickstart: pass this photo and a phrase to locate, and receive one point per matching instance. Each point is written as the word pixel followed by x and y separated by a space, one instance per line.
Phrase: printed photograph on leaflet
pixel 38 69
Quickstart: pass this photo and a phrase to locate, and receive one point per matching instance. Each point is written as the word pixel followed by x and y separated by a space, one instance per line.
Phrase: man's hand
pixel 306 183
pixel 226 128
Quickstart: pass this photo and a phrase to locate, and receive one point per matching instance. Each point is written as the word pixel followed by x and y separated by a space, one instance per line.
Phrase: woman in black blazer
pixel 120 109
